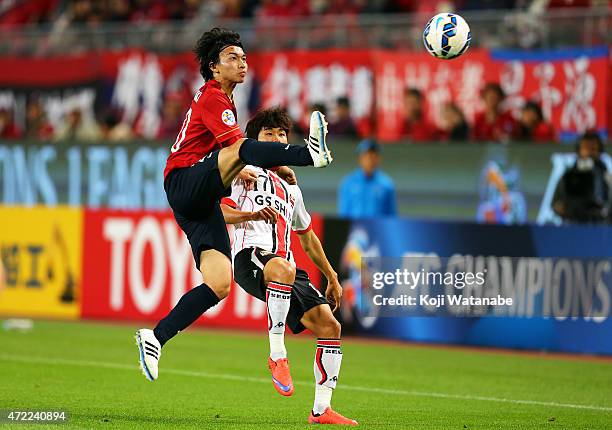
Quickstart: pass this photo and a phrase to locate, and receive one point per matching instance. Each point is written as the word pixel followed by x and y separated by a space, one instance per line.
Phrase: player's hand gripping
pixel 266 214
pixel 287 174
pixel 333 293
pixel 249 177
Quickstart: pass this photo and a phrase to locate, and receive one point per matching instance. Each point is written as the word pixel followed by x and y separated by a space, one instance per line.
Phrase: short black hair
pixel 210 45
pixel 495 87
pixel 318 106
pixel 591 136
pixel 343 101
pixel 268 118
pixel 415 92
pixel 535 107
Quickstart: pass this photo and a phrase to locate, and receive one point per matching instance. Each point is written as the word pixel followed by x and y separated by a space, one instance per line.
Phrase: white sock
pixel 278 300
pixel 322 399
pixel 326 369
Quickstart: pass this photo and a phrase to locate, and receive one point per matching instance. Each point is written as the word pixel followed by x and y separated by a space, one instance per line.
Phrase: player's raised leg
pixel 270 154
pixel 328 358
pixel 216 275
pixel 279 276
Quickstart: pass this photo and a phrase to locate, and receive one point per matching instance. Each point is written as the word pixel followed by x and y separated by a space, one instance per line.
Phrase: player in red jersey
pixel 209 152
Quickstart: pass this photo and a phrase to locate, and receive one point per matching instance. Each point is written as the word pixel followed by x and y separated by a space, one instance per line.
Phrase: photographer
pixel 582 194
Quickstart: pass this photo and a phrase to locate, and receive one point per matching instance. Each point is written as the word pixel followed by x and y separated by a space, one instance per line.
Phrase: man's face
pixel 343 111
pixel 275 134
pixel 588 149
pixel 529 117
pixel 412 104
pixel 369 161
pixel 232 66
pixel 492 99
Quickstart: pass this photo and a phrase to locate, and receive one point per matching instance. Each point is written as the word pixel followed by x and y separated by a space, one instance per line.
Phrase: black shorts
pixel 194 194
pixel 248 273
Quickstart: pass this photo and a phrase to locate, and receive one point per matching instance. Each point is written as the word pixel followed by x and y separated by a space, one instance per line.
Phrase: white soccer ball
pixel 447 36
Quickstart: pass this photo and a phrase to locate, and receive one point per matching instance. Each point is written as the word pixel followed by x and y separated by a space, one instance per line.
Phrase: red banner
pixel 299 79
pixel 137 265
pixel 572 86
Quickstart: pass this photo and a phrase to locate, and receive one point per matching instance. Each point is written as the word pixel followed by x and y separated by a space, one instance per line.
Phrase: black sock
pixel 272 154
pixel 188 309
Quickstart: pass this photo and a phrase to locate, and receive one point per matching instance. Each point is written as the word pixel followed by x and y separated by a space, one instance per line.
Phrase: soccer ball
pixel 447 36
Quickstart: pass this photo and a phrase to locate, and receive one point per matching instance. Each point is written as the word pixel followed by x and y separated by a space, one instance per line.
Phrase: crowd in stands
pixel 92 12
pixel 491 124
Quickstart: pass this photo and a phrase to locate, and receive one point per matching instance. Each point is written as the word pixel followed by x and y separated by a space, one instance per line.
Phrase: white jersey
pixel 270 190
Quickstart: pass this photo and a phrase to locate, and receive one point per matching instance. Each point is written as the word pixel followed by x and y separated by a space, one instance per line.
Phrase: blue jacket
pixel 360 196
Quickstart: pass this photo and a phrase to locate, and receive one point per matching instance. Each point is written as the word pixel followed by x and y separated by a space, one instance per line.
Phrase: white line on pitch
pixel 119 366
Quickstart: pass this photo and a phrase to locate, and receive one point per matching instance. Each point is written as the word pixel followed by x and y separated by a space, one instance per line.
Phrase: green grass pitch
pixel 219 379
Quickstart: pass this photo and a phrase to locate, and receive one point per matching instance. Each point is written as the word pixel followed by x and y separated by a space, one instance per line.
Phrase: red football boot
pixel 331 417
pixel 281 377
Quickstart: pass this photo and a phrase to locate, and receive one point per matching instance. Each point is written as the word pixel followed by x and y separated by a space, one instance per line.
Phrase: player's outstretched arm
pixel 313 248
pixel 235 216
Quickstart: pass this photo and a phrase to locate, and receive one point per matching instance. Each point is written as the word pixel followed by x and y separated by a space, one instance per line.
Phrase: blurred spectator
pixel 582 194
pixel 493 124
pixel 118 11
pixel 367 192
pixel 8 128
pixel 343 124
pixel 37 125
pixel 78 128
pixel 113 129
pixel 284 8
pixel 26 12
pixel 568 3
pixel 147 10
pixel 454 125
pixel 532 126
pixel 81 11
pixel 486 4
pixel 302 126
pixel 172 116
pixel 416 127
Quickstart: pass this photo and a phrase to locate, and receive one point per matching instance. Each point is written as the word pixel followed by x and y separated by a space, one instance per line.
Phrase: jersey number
pixel 181 136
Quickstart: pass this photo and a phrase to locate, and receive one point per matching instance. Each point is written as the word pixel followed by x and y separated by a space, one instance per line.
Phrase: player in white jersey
pixel 263 216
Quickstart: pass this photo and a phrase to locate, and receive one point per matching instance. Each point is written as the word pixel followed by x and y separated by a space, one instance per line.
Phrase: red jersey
pixel 502 128
pixel 420 131
pixel 543 133
pixel 210 124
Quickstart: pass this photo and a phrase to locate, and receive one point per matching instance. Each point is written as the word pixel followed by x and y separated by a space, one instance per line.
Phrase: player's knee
pixel 329 328
pixel 220 288
pixel 219 282
pixel 280 270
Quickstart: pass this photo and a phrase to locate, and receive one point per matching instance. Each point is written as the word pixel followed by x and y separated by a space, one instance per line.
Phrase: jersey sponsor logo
pixel 271 201
pixel 228 117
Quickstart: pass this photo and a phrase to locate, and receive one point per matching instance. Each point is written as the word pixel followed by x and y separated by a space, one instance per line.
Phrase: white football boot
pixel 150 353
pixel 317 145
